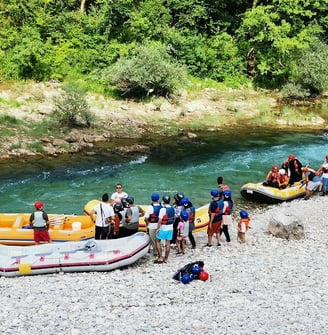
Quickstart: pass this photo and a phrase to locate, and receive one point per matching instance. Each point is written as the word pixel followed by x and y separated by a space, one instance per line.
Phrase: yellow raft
pixel 270 195
pixel 15 230
pixel 201 220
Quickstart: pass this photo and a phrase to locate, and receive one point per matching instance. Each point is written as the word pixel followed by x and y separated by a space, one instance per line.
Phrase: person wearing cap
pixel 39 221
pixel 215 212
pixel 151 219
pixel 294 170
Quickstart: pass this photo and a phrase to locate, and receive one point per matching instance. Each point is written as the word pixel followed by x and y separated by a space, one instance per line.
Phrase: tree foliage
pixel 45 39
pixel 149 70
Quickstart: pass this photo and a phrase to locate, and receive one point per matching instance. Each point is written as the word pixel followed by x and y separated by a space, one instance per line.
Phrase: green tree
pixel 150 70
pixel 278 32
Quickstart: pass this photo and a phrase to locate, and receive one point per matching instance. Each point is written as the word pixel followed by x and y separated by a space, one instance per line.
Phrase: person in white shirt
pixel 104 219
pixel 117 196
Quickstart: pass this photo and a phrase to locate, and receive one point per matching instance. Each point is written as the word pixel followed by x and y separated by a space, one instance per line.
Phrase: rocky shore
pixel 190 113
pixel 269 285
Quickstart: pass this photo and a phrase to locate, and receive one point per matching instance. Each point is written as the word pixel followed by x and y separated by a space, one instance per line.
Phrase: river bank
pixel 129 127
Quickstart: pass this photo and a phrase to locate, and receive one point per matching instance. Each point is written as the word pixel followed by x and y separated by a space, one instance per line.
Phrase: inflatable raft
pixel 201 217
pixel 80 256
pixel 270 195
pixel 15 230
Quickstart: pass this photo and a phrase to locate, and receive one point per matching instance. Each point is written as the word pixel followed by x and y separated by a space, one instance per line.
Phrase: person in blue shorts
pixel 164 229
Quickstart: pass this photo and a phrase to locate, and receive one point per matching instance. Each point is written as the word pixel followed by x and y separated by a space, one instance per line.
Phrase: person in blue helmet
pixel 215 212
pixel 165 229
pixel 243 226
pixel 151 219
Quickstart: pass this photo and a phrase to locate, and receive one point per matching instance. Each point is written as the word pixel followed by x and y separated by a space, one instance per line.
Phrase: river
pixel 174 165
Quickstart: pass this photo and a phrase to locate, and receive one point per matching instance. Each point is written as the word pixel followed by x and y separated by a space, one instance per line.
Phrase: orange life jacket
pixel 245 221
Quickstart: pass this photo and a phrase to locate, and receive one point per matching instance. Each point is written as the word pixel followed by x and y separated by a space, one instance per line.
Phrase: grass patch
pixel 9 119
pixel 35 146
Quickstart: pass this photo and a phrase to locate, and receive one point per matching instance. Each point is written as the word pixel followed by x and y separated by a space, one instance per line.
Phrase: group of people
pixel 220 216
pixel 169 224
pixel 289 173
pixel 292 171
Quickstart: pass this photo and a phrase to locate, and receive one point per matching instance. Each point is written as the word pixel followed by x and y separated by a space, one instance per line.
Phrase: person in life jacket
pixel 294 170
pixel 226 215
pixel 243 226
pixel 39 221
pixel 190 209
pixel 215 211
pixel 272 177
pixel 323 172
pixel 312 181
pixel 165 229
pixel 283 179
pixel 183 231
pixel 130 218
pixel 178 208
pixel 151 220
pixel 221 186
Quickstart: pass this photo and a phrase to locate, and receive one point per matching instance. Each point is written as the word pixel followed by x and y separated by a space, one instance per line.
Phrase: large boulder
pixel 286 226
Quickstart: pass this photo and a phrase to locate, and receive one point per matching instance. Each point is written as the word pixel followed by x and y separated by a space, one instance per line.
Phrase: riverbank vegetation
pixel 83 71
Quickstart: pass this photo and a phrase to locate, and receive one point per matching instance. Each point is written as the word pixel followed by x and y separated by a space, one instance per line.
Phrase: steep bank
pixel 25 106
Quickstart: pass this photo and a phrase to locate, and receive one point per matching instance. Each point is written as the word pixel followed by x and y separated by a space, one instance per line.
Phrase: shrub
pixel 72 109
pixel 150 70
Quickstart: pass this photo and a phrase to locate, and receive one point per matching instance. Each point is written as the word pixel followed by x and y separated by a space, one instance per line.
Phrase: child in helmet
pixel 243 226
pixel 39 221
pixel 183 231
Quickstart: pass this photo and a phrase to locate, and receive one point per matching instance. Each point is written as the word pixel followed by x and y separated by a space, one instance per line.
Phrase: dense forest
pixel 152 46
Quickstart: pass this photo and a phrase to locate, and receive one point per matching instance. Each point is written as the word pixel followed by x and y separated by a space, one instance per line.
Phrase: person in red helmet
pixel 39 221
pixel 272 178
pixel 294 170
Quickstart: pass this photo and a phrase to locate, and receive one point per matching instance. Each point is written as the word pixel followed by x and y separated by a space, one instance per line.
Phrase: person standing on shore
pixel 151 219
pixel 190 209
pixel 221 186
pixel 39 221
pixel 243 226
pixel 215 218
pixel 165 229
pixel 226 216
pixel 104 219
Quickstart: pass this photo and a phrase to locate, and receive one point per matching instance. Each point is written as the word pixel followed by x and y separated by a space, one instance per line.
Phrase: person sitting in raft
pixel 272 177
pixel 283 179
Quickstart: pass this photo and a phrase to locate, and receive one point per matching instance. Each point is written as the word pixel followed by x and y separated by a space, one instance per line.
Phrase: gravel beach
pixel 266 286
